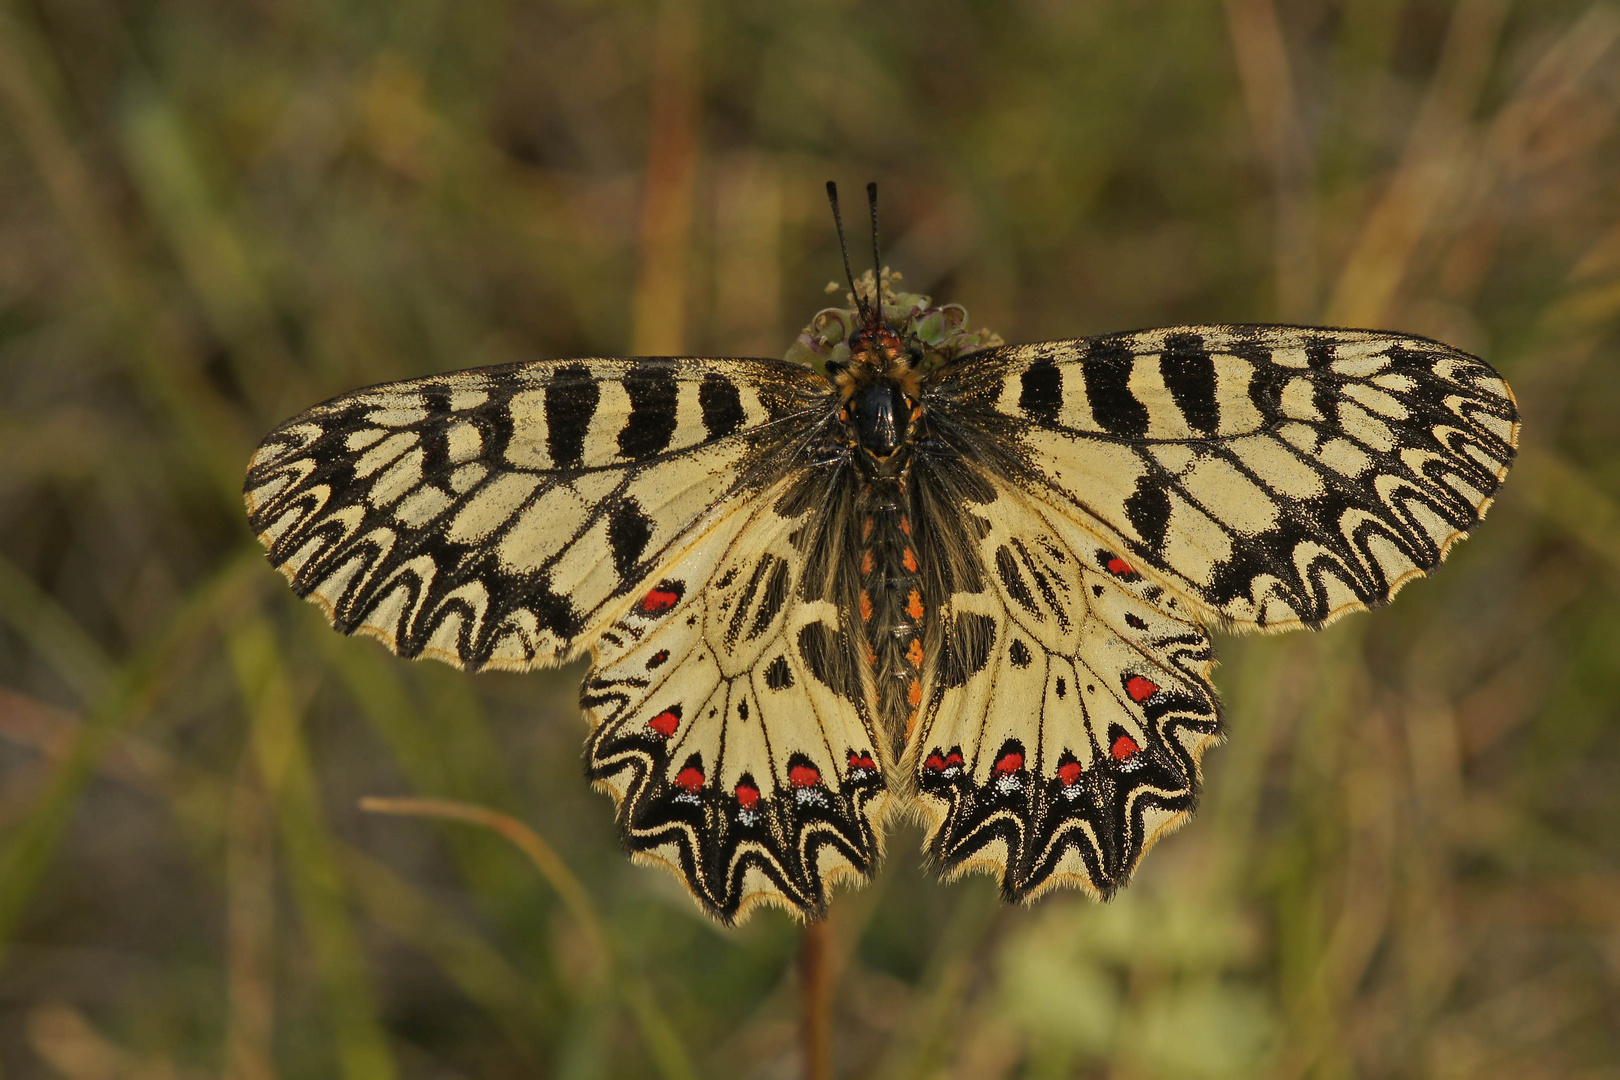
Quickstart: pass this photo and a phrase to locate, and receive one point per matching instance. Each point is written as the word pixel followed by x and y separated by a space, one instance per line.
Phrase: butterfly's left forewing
pixel 498 518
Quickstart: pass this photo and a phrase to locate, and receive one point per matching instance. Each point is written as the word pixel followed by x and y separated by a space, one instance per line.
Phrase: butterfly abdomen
pixel 893 606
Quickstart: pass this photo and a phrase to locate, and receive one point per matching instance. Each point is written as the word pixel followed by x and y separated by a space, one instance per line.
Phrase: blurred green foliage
pixel 1407 862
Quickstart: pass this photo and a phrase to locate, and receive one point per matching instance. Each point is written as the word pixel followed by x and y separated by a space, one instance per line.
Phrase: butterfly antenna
pixel 877 260
pixel 838 220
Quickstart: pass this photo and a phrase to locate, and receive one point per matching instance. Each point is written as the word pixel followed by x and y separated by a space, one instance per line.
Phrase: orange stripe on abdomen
pixel 893 609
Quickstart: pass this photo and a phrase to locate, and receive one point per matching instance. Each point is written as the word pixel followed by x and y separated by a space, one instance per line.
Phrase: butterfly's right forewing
pixel 1274 476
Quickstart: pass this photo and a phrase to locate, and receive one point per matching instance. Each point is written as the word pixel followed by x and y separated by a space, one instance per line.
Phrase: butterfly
pixel 907 569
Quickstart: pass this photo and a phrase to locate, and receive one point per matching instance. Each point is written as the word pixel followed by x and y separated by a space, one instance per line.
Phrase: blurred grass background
pixel 1407 862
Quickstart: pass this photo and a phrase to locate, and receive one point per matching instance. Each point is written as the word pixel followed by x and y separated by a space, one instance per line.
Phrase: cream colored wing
pixel 1272 476
pixel 498 518
pixel 1066 713
pixel 731 721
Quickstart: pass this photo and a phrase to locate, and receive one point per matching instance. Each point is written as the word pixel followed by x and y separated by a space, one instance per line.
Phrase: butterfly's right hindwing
pixel 498 518
pixel 1065 713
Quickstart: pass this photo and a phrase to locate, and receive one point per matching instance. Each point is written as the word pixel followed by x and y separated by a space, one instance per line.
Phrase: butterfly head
pixel 879 387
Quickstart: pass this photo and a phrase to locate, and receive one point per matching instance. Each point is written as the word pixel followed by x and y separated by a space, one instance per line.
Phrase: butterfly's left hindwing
pixel 732 722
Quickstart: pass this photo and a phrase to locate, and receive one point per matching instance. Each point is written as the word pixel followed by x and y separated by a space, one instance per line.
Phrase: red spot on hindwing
pixel 667 721
pixel 802 775
pixel 661 597
pixel 1010 762
pixel 1069 773
pixel 861 760
pixel 1119 567
pixel 1124 747
pixel 689 778
pixel 747 795
pixel 953 758
pixel 1140 689
pixel 934 763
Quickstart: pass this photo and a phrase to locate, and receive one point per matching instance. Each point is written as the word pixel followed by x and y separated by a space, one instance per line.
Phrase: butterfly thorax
pixel 881 401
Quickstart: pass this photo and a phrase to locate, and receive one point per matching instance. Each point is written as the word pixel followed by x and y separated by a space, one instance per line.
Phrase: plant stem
pixel 815 1001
